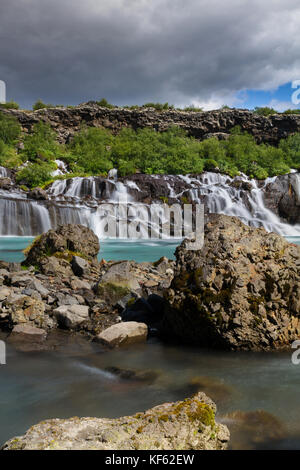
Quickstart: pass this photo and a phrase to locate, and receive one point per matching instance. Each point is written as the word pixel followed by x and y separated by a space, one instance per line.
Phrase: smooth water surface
pixel 11 249
pixel 74 382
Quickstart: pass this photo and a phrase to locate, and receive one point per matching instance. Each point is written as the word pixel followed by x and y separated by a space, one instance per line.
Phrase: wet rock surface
pixel 241 291
pixel 185 425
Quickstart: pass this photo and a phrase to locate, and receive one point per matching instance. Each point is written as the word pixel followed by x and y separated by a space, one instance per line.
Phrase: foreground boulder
pixel 123 334
pixel 65 242
pixel 241 291
pixel 185 425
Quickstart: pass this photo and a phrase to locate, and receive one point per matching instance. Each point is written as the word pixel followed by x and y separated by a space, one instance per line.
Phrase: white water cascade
pixel 223 197
pixel 3 172
pixel 80 200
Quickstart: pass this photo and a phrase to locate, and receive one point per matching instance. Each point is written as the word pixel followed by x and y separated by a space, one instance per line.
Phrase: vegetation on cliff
pixel 95 151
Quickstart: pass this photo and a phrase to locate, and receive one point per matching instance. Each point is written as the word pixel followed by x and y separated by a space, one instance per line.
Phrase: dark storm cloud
pixel 132 51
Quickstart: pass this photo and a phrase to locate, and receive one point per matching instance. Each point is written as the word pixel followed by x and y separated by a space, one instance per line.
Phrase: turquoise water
pixel 11 249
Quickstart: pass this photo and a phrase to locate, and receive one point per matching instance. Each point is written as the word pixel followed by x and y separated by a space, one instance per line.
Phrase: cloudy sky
pixel 204 52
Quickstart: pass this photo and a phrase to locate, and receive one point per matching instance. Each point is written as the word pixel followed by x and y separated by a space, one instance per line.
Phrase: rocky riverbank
pixel 67 121
pixel 241 291
pixel 185 425
pixel 62 285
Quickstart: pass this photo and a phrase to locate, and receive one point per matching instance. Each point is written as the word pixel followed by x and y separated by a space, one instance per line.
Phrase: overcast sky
pixel 205 52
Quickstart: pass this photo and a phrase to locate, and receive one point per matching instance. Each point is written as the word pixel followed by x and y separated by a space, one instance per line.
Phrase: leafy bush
pixel 158 106
pixel 210 164
pixel 8 156
pixel 41 144
pixel 192 109
pixel 265 111
pixel 291 111
pixel 89 151
pixel 10 129
pixel 9 105
pixel 105 104
pixel 39 104
pixel 35 174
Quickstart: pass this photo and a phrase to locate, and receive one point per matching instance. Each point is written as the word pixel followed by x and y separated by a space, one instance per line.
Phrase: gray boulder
pixel 123 334
pixel 71 316
pixel 184 425
pixel 241 291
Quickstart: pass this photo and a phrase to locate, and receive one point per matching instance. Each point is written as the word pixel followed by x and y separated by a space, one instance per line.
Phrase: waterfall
pixel 221 196
pixel 3 172
pixel 23 218
pixel 80 200
pixel 296 185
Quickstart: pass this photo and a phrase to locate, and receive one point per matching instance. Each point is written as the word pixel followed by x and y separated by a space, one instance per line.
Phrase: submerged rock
pixel 215 388
pixel 144 376
pixel 185 425
pixel 241 291
pixel 254 429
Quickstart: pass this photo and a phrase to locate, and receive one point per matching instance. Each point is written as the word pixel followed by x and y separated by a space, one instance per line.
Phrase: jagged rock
pixel 65 242
pixel 123 334
pixel 80 266
pixel 53 266
pixel 23 309
pixel 148 311
pixel 282 196
pixel 4 293
pixel 185 425
pixel 241 291
pixel 5 183
pixel 71 316
pixel 29 333
pixel 77 284
pixel 38 194
pixel 67 121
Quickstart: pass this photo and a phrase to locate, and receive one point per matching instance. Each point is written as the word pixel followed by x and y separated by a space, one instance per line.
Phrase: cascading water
pixel 223 197
pixel 3 172
pixel 80 200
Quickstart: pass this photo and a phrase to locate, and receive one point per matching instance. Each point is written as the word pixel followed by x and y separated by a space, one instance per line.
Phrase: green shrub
pixel 265 111
pixel 89 151
pixel 8 156
pixel 9 105
pixel 41 144
pixel 35 174
pixel 39 104
pixel 192 109
pixel 105 104
pixel 158 106
pixel 10 129
pixel 210 164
